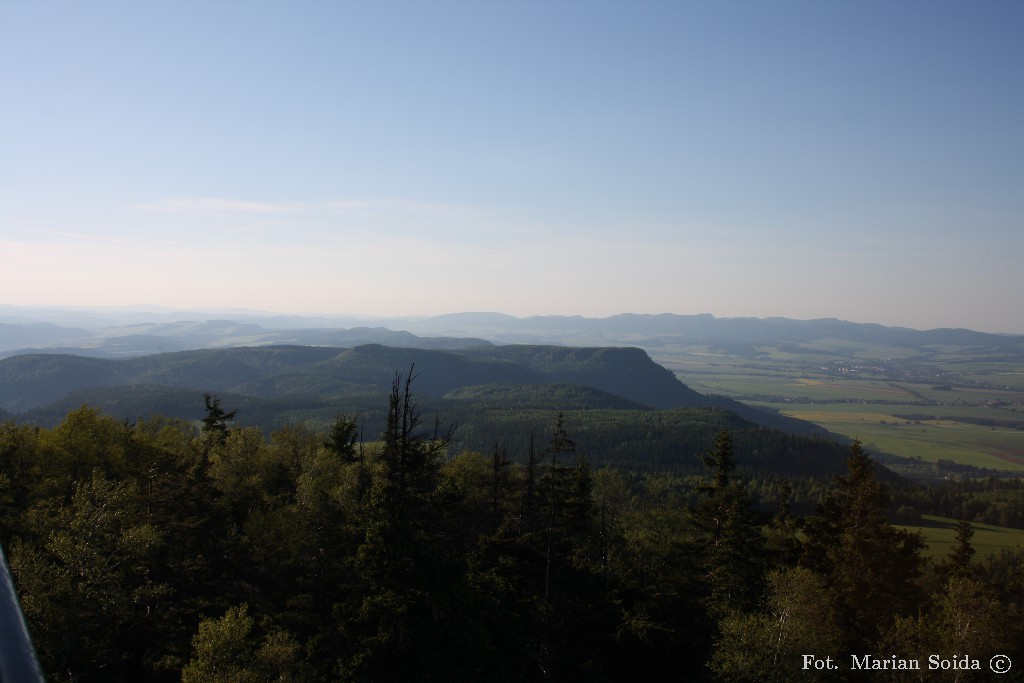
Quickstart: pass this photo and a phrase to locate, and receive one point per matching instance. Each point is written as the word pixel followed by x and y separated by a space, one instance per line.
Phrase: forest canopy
pixel 207 551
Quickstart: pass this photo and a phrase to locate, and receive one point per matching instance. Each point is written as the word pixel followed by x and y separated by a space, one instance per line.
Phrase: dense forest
pixel 166 550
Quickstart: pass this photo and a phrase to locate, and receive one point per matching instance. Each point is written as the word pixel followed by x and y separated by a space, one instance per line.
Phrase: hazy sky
pixel 859 160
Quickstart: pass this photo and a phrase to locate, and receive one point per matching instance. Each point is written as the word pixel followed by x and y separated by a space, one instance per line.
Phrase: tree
pixel 782 536
pixel 963 551
pixel 971 620
pixel 733 545
pixel 412 573
pixel 767 646
pixel 565 507
pixel 721 463
pixel 548 569
pixel 342 439
pixel 215 422
pixel 611 499
pixel 410 455
pixel 659 588
pixel 19 464
pixel 226 650
pixel 88 592
pixel 86 441
pixel 966 619
pixel 529 508
pixel 870 566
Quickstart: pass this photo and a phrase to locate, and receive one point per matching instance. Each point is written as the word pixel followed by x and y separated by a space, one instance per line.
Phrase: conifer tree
pixel 215 422
pixel 963 551
pixel 870 566
pixel 733 545
pixel 343 437
pixel 411 576
pixel 782 540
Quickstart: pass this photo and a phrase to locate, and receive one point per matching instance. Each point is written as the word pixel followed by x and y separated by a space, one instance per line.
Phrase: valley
pixel 586 470
pixel 919 410
pixel 930 404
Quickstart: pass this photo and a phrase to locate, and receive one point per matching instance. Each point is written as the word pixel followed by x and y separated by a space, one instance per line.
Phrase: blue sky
pixel 859 160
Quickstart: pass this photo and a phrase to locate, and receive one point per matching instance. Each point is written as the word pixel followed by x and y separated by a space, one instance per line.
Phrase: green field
pixel 940 535
pixel 950 407
pixel 932 440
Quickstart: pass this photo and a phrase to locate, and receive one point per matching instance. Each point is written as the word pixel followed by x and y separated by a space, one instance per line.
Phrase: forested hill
pixel 329 376
pixel 626 372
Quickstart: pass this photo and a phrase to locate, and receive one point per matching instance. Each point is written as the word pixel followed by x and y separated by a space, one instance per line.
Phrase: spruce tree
pixel 870 566
pixel 733 545
pixel 215 422
pixel 343 437
pixel 412 575
pixel 963 551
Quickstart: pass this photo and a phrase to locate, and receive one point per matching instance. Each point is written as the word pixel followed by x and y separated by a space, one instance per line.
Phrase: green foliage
pixel 731 543
pixel 871 566
pixel 484 390
pixel 963 552
pixel 154 551
pixel 215 422
pixel 226 650
pixel 767 646
pixel 966 618
pixel 87 589
pixel 342 438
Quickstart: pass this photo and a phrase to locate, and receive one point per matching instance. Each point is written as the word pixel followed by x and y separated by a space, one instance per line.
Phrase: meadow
pixel 901 403
pixel 940 536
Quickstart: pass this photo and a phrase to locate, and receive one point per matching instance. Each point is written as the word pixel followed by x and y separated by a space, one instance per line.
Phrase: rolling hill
pixel 626 408
pixel 292 373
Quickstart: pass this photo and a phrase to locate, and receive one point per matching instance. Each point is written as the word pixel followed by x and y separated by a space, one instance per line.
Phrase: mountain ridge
pixel 277 372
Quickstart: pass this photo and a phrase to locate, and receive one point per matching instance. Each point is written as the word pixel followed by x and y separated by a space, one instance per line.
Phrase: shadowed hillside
pixel 280 379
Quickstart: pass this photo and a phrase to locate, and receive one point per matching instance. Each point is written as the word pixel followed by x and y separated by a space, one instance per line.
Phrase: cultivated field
pixel 923 406
pixel 940 535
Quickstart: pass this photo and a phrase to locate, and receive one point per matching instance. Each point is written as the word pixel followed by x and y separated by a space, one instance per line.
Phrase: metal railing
pixel 18 663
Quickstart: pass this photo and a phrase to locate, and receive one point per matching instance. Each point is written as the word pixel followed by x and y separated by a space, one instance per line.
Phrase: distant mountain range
pixel 489 372
pixel 124 333
pixel 123 341
pixel 649 331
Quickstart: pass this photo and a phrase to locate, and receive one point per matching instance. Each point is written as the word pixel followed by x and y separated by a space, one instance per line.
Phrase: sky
pixel 857 160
